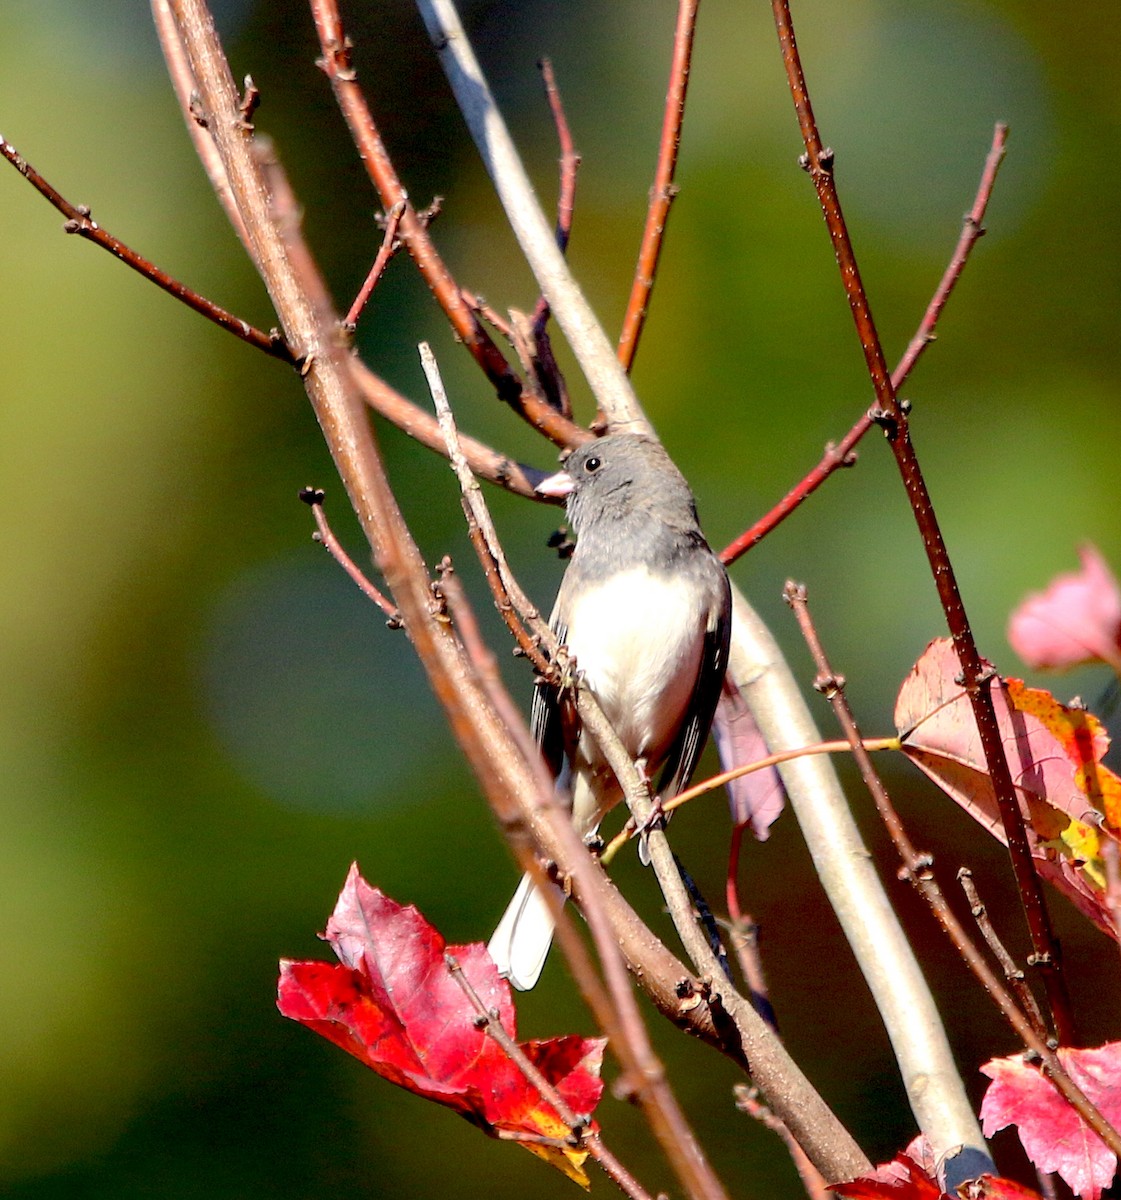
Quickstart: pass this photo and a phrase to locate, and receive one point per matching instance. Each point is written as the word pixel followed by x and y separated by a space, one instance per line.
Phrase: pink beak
pixel 558 485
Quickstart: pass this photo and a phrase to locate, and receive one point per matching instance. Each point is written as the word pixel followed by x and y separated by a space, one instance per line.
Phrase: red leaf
pixel 1076 620
pixel 1053 752
pixel 1053 1135
pixel 901 1179
pixel 392 1002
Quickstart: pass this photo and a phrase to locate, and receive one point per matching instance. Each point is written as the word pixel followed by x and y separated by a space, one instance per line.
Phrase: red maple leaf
pixel 911 1176
pixel 1053 1135
pixel 393 1003
pixel 901 1179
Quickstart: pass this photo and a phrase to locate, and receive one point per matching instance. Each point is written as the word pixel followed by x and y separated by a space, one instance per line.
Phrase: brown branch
pixel 621 1020
pixel 663 192
pixel 569 165
pixel 843 453
pixel 313 498
pixel 389 246
pixel 748 1101
pixel 339 68
pixel 917 869
pixel 892 418
pixel 1013 975
pixel 80 222
pixel 582 1136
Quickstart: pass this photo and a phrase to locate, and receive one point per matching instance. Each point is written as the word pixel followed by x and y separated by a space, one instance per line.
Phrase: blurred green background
pixel 202 724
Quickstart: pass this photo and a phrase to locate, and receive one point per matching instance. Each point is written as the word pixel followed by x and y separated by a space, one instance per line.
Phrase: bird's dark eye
pixel 593 464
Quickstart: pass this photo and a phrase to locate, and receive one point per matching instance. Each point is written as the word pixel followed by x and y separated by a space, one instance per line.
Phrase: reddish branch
pixel 339 68
pixel 842 454
pixel 313 498
pixel 892 418
pixel 389 246
pixel 917 869
pixel 79 221
pixel 569 164
pixel 664 190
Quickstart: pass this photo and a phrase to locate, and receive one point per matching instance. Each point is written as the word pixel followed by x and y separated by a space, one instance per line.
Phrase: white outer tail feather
pixel 520 944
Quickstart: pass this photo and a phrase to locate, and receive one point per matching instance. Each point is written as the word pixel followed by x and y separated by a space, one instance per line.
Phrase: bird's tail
pixel 521 942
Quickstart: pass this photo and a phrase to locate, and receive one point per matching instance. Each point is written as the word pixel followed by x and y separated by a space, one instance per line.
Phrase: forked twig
pixel 892 418
pixel 917 869
pixel 843 453
pixel 313 498
pixel 80 222
pixel 389 246
pixel 338 64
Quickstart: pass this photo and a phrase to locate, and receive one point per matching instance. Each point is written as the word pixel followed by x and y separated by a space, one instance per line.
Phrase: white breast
pixel 637 638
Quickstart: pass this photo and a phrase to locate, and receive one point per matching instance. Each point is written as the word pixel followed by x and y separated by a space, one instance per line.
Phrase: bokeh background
pixel 201 722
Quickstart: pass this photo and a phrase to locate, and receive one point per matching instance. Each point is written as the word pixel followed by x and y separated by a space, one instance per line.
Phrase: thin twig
pixel 645 1074
pixel 748 1101
pixel 389 246
pixel 313 498
pixel 892 418
pixel 664 190
pixel 569 165
pixel 843 453
pixel 486 462
pixel 512 603
pixel 80 222
pixel 917 869
pixel 816 1128
pixel 608 381
pixel 338 65
pixel 583 1136
pixel 1013 975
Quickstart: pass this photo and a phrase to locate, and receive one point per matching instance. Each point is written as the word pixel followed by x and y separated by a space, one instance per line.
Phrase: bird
pixel 645 611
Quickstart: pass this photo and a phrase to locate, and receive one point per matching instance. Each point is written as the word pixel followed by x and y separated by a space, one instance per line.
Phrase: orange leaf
pixel 1053 752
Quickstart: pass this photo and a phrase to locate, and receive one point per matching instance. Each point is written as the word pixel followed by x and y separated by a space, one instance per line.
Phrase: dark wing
pixel 545 715
pixel 687 746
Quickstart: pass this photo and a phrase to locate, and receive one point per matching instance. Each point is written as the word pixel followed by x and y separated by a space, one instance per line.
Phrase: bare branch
pixel 589 343
pixel 917 869
pixel 892 417
pixel 337 64
pixel 79 221
pixel 843 454
pixel 664 191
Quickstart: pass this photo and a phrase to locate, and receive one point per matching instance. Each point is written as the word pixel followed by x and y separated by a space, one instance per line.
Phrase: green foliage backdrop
pixel 201 723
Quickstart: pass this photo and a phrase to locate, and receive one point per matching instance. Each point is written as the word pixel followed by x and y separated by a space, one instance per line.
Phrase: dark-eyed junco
pixel 645 610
